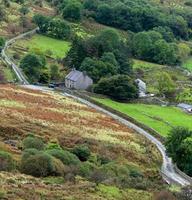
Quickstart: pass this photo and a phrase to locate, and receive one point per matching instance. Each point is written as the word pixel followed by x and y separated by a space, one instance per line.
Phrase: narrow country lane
pixel 167 169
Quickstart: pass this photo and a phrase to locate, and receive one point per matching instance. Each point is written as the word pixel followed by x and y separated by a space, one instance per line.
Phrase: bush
pixel 52 145
pixel 66 157
pixel 29 152
pixel 59 167
pixel 119 87
pixel 39 165
pixel 33 143
pixel 82 152
pixel 6 161
pixel 164 195
pixel 86 169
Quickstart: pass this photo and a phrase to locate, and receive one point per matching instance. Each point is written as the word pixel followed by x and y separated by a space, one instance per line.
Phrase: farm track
pixel 168 170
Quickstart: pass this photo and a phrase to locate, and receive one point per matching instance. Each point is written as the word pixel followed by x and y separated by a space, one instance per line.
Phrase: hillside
pixel 60 119
pixel 54 147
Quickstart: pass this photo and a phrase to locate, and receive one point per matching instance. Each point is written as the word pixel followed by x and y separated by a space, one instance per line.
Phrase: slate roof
pixel 74 75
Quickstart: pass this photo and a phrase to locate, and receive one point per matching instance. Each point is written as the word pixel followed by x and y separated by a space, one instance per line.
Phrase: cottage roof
pixel 74 75
pixel 139 81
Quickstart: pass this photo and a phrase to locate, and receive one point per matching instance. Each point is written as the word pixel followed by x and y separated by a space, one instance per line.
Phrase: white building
pixel 142 87
pixel 185 107
pixel 78 80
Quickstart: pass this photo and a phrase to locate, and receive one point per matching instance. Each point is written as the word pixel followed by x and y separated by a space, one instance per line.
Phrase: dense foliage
pixel 119 87
pixel 100 56
pixel 179 147
pixel 33 66
pixel 55 28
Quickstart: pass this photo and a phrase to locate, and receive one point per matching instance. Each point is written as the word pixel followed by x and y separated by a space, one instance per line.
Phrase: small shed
pixel 78 80
pixel 142 87
pixel 185 107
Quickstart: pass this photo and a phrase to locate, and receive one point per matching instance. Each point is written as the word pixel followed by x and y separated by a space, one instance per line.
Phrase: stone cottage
pixel 78 80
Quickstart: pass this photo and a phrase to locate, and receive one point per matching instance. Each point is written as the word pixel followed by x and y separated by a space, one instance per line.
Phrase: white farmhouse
pixel 78 80
pixel 142 87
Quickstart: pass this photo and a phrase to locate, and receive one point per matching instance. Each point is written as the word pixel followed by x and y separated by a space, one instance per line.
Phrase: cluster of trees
pixel 102 56
pixel 35 67
pixel 70 10
pixel 53 27
pixel 140 16
pixel 179 147
pixel 135 16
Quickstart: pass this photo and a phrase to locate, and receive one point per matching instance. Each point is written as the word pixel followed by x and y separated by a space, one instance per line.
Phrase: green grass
pixel 59 48
pixel 162 119
pixel 188 64
pixel 144 65
pixel 9 76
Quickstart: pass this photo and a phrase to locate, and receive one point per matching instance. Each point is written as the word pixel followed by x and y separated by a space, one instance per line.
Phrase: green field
pixel 188 64
pixel 58 48
pixel 144 65
pixel 162 119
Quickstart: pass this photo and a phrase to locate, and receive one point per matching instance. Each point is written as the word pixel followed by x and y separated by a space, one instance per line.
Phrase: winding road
pixel 168 171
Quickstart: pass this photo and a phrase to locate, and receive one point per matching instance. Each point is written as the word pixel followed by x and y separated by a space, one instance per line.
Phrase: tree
pixel 105 14
pixel 44 76
pixel 142 45
pixel 54 72
pixel 166 86
pixel 179 147
pixel 119 87
pixel 183 51
pixel 165 53
pixel 72 11
pixel 42 22
pixel 109 57
pixel 59 29
pixel 108 40
pixel 97 69
pixel 178 26
pixel 166 32
pixel 32 66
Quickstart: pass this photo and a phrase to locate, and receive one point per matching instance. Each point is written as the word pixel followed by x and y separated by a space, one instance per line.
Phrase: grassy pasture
pixel 162 119
pixel 58 48
pixel 144 64
pixel 188 64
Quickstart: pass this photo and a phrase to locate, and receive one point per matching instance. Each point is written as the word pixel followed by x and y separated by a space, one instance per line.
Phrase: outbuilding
pixel 142 87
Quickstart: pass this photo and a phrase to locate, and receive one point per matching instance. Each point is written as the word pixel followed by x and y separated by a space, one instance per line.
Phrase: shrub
pixel 59 168
pixel 86 169
pixel 39 165
pixel 31 142
pixel 29 152
pixel 97 176
pixel 66 157
pixel 164 195
pixel 51 146
pixel 82 152
pixel 6 161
